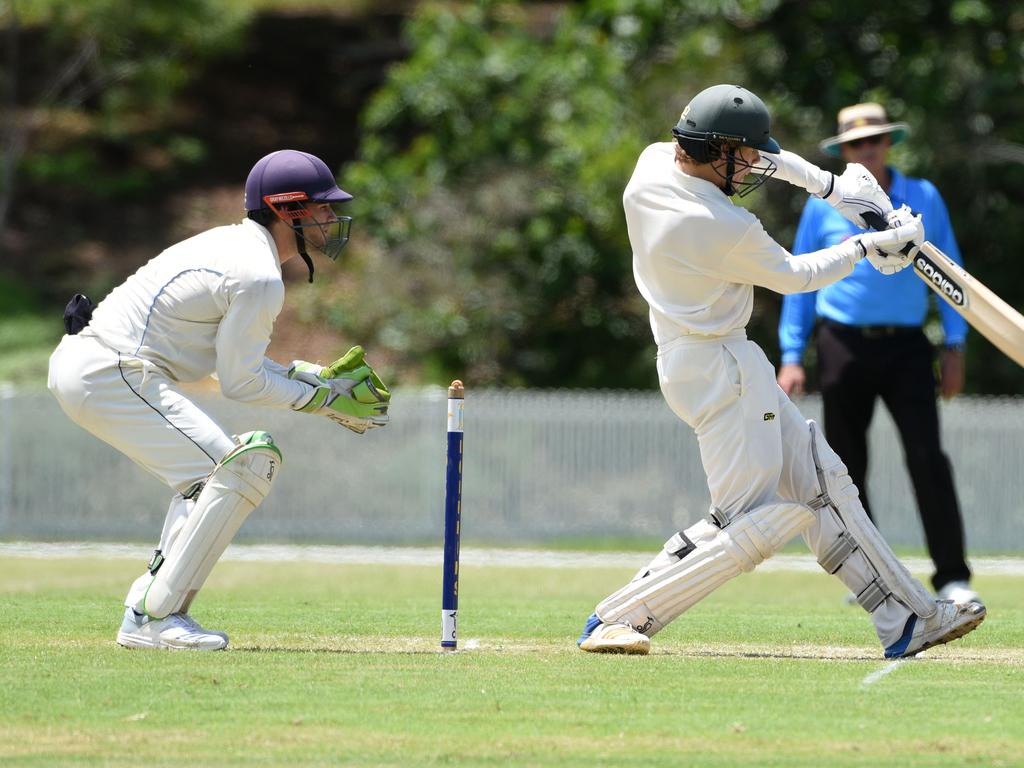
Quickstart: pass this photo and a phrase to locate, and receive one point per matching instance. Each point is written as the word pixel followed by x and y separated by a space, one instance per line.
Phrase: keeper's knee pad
pixel 235 488
pixel 708 557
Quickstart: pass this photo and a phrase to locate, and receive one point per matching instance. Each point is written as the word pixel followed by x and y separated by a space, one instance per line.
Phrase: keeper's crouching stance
pixel 771 475
pixel 194 543
pixel 204 306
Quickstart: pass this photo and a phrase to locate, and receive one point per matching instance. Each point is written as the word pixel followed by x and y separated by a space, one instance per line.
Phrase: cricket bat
pixel 992 317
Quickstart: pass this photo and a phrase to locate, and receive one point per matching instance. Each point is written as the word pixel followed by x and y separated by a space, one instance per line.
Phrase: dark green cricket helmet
pixel 724 113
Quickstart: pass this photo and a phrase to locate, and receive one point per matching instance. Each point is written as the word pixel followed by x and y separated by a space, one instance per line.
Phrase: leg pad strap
pixel 838 551
pixel 872 595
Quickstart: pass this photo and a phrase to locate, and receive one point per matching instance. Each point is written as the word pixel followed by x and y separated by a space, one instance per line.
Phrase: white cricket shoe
pixel 949 622
pixel 177 632
pixel 959 592
pixel 197 627
pixel 599 637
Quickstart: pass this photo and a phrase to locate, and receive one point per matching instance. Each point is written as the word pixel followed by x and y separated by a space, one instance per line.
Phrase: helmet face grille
pixel 713 147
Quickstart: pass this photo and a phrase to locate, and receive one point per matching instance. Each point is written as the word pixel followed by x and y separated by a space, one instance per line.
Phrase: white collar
pixel 262 232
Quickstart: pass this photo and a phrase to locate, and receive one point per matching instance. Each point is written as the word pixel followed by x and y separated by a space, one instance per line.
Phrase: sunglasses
pixel 870 140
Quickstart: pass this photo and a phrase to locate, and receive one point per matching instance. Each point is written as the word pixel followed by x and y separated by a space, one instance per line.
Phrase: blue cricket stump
pixel 452 519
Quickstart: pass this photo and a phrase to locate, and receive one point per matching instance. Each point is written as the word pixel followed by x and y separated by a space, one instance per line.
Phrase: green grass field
pixel 338 665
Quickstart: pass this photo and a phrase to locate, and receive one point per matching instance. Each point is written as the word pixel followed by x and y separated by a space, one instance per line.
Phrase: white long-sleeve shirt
pixel 697 256
pixel 206 305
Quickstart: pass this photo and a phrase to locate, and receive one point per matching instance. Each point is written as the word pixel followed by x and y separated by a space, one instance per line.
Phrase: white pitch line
pixel 431 556
pixel 878 674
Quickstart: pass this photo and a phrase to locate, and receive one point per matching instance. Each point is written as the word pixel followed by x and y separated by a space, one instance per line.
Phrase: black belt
pixel 872 331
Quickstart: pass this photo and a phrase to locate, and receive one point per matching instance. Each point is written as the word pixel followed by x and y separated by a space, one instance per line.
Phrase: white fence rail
pixel 539 466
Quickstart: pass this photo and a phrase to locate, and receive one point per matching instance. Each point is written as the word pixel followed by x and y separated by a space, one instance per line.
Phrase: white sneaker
pixel 197 627
pixel 174 631
pixel 959 592
pixel 599 637
pixel 949 622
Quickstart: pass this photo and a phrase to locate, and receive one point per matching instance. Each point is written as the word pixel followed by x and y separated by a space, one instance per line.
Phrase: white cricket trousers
pixel 133 406
pixel 754 443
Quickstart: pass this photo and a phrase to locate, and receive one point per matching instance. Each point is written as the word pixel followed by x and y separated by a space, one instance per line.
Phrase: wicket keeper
pixel 207 306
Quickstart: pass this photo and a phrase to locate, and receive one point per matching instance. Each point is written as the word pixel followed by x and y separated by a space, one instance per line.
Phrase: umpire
pixel 870 344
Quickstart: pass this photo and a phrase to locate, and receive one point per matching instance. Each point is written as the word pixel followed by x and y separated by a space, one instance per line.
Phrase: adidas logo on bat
pixel 947 285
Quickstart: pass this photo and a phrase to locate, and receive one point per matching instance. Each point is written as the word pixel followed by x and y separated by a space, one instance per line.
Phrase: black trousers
pixel 855 367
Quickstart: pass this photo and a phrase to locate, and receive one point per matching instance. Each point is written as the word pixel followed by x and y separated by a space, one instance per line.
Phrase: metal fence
pixel 539 466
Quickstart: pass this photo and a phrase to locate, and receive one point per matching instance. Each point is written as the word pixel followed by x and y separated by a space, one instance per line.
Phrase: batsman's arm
pixel 794 169
pixel 853 193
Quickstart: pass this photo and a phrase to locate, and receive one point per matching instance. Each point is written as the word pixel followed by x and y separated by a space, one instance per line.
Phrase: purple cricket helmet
pixel 280 182
pixel 289 170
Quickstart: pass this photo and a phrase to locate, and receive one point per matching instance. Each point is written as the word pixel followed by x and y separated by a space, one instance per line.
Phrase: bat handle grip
pixel 875 221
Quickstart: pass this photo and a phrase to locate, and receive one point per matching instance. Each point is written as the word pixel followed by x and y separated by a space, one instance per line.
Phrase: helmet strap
pixel 730 169
pixel 300 244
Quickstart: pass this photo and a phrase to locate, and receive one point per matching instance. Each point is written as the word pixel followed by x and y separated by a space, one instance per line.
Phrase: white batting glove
pixel 893 249
pixel 857 192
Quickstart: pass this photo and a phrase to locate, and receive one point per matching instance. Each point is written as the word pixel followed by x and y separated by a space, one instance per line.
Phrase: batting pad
pixel 849 545
pixel 235 488
pixel 709 558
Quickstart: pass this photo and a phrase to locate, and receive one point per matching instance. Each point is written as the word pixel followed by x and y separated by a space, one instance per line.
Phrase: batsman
pixel 206 306
pixel 771 475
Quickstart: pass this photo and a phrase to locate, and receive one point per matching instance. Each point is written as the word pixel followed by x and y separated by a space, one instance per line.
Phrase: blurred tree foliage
pixel 489 239
pixel 491 171
pixel 490 178
pixel 87 84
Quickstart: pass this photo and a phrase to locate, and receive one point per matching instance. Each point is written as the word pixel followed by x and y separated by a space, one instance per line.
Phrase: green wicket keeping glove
pixel 348 391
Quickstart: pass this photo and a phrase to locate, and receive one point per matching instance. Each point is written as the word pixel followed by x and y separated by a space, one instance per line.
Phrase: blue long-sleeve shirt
pixel 866 296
